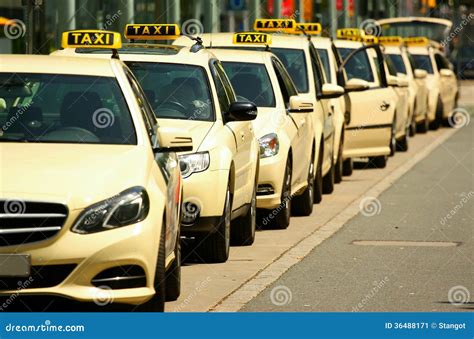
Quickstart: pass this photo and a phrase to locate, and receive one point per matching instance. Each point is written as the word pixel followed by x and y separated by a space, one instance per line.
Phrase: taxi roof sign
pixel 252 38
pixel 312 28
pixel 343 33
pixel 275 25
pixel 91 39
pixel 152 31
pixel 372 39
pixel 391 40
pixel 417 41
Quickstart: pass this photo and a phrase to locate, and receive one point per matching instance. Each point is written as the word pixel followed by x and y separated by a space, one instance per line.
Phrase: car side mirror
pixel 3 105
pixel 172 140
pixel 446 72
pixel 392 80
pixel 299 104
pixel 242 111
pixel 330 91
pixel 420 73
pixel 356 85
pixel 402 80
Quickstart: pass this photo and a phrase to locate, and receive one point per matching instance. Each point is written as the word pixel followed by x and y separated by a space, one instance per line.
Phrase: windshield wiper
pixel 9 139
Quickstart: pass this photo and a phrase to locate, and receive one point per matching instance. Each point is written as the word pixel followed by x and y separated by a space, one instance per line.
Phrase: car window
pixel 222 94
pixel 59 108
pixel 358 66
pixel 392 70
pixel 251 82
pixel 318 72
pixel 324 56
pixel 398 63
pixel 423 61
pixel 175 91
pixel 286 86
pixel 441 62
pixel 295 63
pixel 225 81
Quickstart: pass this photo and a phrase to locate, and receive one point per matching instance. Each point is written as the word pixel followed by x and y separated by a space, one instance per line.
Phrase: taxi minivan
pixel 90 186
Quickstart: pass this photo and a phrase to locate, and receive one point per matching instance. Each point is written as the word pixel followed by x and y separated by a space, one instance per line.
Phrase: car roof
pixel 48 64
pixel 440 21
pixel 248 56
pixel 341 43
pixel 418 50
pixel 321 42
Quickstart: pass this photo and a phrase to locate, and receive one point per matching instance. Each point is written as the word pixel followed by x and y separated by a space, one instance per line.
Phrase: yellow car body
pixel 50 185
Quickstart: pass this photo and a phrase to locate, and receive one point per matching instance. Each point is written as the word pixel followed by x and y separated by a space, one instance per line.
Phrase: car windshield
pixel 295 63
pixel 433 31
pixel 324 56
pixel 423 61
pixel 59 108
pixel 175 91
pixel 397 62
pixel 251 81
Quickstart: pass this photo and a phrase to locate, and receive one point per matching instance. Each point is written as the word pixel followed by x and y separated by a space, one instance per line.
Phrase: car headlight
pixel 126 208
pixel 193 163
pixel 269 145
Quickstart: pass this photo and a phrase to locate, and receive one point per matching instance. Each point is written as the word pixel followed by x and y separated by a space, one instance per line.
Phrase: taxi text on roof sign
pixel 275 25
pixel 309 28
pixel 252 38
pixel 91 38
pixel 390 40
pixel 417 41
pixel 350 33
pixel 152 31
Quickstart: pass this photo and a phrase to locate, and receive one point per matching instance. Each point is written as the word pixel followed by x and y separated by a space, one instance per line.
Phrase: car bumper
pixel 270 181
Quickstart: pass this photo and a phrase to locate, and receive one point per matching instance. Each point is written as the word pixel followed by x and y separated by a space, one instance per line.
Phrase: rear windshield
pixel 175 91
pixel 397 62
pixel 423 61
pixel 63 109
pixel 251 82
pixel 295 63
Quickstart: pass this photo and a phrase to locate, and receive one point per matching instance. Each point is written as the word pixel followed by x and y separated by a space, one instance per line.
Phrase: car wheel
pixel 157 302
pixel 215 248
pixel 328 180
pixel 434 125
pixel 402 144
pixel 347 167
pixel 424 125
pixel 318 180
pixel 173 275
pixel 242 230
pixel 338 169
pixel 393 140
pixel 303 204
pixel 412 128
pixel 281 214
pixel 378 162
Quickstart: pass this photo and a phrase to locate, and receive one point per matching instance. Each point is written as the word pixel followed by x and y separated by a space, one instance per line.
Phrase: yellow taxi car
pixel 441 80
pixel 95 214
pixel 304 67
pixel 404 64
pixel 370 114
pixel 286 176
pixel 189 91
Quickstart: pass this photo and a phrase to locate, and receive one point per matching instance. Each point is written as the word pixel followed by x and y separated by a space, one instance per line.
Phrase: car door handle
pixel 242 136
pixel 384 106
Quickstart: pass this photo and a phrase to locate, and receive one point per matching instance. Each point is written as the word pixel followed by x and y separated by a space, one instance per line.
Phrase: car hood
pixel 76 175
pixel 197 130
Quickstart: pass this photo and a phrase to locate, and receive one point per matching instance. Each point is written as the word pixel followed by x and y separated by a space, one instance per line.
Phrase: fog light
pixel 265 189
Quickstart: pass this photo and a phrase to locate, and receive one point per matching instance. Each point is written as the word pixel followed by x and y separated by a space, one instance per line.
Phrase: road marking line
pixel 405 243
pixel 255 285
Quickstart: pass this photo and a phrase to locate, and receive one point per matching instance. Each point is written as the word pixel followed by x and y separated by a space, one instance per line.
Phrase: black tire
pixel 393 140
pixel 157 302
pixel 378 162
pixel 242 230
pixel 347 167
pixel 339 167
pixel 281 214
pixel 215 248
pixel 436 123
pixel 412 128
pixel 303 204
pixel 423 126
pixel 173 275
pixel 328 180
pixel 402 144
pixel 318 180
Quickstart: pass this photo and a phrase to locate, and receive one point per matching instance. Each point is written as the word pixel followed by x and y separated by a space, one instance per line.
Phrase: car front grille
pixel 27 221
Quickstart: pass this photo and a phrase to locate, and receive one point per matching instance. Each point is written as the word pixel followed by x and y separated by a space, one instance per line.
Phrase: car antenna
pixel 198 45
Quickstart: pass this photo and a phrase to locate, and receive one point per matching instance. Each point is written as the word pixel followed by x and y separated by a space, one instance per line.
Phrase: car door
pixel 243 135
pixel 369 121
pixel 302 144
pixel 448 82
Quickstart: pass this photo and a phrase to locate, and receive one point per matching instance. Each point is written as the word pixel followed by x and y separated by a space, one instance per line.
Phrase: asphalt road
pixel 433 202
